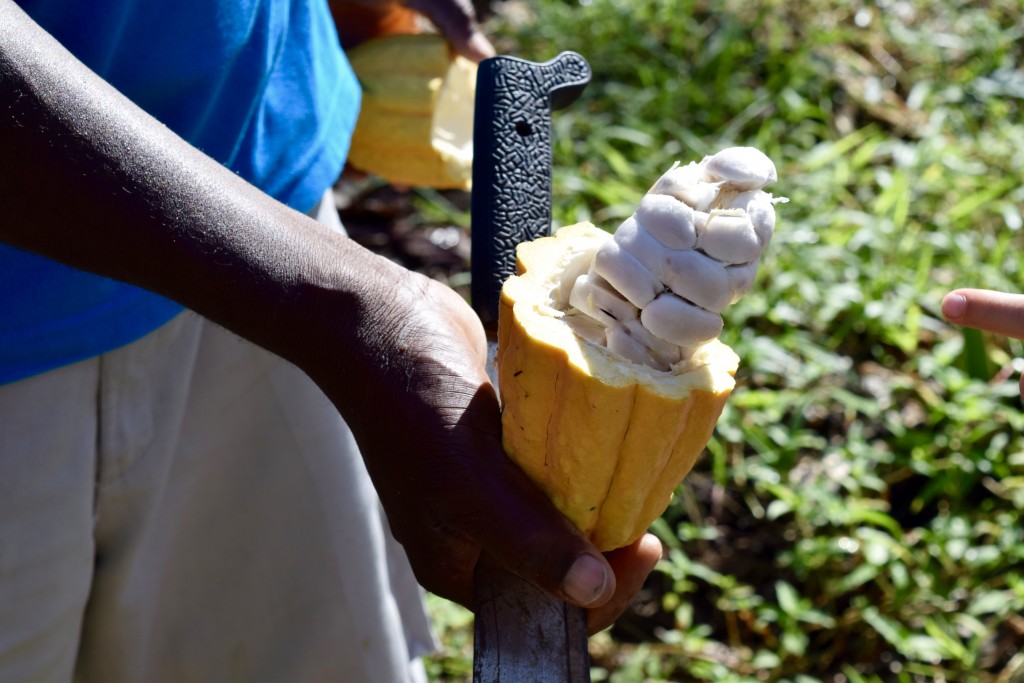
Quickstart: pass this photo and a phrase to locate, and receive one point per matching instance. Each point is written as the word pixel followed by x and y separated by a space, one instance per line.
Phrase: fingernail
pixel 479 45
pixel 586 580
pixel 954 305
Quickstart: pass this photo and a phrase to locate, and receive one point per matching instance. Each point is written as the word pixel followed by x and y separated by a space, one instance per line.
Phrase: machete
pixel 521 632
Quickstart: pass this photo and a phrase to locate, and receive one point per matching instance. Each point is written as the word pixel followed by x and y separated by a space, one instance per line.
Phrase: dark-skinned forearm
pixel 94 182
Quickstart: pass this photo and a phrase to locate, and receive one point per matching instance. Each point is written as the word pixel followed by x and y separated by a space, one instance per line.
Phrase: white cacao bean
pixel 687 184
pixel 632 237
pixel 729 236
pixel 595 297
pixel 741 168
pixel 670 318
pixel 760 210
pixel 635 342
pixel 697 278
pixel 667 220
pixel 578 263
pixel 741 279
pixel 626 345
pixel 627 275
pixel 700 219
pixel 587 328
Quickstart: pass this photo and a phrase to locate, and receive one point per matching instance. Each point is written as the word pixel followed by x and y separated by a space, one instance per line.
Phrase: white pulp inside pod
pixel 654 293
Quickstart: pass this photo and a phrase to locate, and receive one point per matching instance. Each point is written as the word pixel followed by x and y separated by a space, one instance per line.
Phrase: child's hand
pixel 984 309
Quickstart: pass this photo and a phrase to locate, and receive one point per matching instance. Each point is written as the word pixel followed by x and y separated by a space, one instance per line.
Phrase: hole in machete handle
pixel 523 128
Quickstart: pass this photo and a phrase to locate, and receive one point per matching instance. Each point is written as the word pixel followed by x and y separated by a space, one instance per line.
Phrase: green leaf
pixel 788 598
pixel 975 356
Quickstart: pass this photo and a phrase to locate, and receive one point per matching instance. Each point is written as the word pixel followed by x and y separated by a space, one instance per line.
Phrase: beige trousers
pixel 191 508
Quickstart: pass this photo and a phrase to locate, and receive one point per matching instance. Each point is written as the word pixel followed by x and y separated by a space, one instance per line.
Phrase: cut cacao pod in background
pixel 415 124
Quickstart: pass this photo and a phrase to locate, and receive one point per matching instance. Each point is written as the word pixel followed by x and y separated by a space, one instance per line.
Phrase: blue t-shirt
pixel 260 85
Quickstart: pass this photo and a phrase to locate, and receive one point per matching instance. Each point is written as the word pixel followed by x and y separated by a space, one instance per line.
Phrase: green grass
pixel 859 515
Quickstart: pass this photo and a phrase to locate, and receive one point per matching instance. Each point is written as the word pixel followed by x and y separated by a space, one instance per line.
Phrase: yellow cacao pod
pixel 607 439
pixel 415 125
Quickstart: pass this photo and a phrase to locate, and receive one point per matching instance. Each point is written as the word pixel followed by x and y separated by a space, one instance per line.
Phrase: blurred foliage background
pixel 859 515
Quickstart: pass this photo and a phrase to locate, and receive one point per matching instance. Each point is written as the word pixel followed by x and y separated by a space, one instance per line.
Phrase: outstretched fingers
pixel 988 310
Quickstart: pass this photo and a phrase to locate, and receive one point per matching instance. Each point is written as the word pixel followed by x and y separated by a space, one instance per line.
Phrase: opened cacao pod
pixel 607 439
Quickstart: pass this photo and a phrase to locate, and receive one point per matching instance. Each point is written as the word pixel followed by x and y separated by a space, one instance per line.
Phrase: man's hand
pixel 360 20
pixel 427 421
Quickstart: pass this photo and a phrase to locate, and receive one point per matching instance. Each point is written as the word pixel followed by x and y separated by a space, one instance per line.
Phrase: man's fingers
pixel 984 309
pixel 632 565
pixel 527 535
pixel 457 23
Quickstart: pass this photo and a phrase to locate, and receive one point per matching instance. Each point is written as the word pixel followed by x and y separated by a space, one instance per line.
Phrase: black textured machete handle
pixel 511 197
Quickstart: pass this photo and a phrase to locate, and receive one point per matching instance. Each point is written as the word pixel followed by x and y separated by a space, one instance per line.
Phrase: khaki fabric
pixel 191 508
